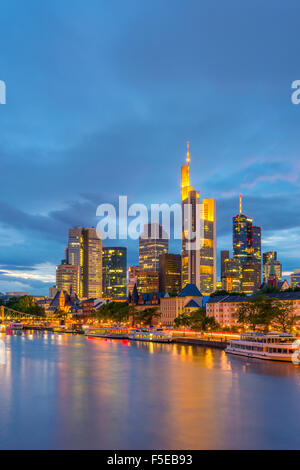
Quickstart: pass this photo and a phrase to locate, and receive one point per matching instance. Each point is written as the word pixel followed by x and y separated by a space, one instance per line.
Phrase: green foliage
pixel 265 312
pixel 285 318
pixel 25 304
pixel 145 317
pixel 116 312
pixel 269 289
pixel 196 320
pixel 225 292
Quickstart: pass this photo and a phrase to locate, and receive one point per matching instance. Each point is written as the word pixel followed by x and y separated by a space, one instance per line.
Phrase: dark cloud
pixel 101 99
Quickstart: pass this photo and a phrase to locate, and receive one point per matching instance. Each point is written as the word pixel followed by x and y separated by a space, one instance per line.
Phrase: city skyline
pixel 69 123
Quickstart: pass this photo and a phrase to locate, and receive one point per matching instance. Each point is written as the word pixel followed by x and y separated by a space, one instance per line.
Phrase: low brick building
pixel 225 307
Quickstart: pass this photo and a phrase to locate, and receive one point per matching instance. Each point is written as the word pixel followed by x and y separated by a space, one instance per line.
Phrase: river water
pixel 60 391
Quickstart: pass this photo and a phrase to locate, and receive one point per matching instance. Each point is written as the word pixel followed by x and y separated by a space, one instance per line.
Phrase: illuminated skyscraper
pixel 92 263
pixel 199 265
pixel 270 263
pixel 114 267
pixel 147 282
pixel 132 278
pixel 224 256
pixel 295 278
pixel 247 250
pixel 84 249
pixel 231 279
pixel 153 242
pixel 170 273
pixel 68 278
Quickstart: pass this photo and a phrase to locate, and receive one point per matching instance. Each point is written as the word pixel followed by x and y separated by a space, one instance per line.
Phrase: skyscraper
pixel 68 278
pixel 224 256
pixel 114 267
pixel 92 263
pixel 270 263
pixel 247 250
pixel 198 266
pixel 153 242
pixel 147 282
pixel 170 273
pixel 132 278
pixel 231 279
pixel 84 249
pixel 295 278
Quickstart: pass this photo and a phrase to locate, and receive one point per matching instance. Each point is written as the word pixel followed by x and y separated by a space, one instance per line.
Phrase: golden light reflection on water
pixel 137 393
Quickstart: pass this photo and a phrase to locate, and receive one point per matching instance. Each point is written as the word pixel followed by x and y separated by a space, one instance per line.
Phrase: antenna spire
pixel 240 203
pixel 188 153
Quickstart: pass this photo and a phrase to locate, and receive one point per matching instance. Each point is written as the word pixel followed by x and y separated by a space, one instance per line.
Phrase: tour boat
pixel 59 329
pixel 15 325
pixel 107 332
pixel 156 335
pixel 271 346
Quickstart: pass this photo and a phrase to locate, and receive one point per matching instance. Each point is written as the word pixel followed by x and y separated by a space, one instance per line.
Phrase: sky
pixel 102 98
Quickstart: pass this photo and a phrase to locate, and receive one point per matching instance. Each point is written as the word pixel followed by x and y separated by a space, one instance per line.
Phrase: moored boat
pixel 15 326
pixel 153 335
pixel 107 332
pixel 271 346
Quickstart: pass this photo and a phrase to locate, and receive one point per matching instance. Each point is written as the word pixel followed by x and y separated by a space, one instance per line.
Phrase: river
pixel 59 391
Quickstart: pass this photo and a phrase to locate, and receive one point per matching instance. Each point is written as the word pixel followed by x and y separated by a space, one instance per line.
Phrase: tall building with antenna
pixel 247 250
pixel 198 266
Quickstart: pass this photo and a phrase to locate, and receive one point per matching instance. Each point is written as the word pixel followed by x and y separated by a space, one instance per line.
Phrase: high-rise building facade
pixel 147 282
pixel 250 276
pixel 114 272
pixel 199 265
pixel 231 279
pixel 92 264
pixel 132 278
pixel 270 263
pixel 68 278
pixel 170 273
pixel 153 242
pixel 295 278
pixel 247 250
pixel 223 256
pixel 84 249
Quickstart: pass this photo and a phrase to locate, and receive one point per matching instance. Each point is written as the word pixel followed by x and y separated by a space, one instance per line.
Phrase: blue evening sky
pixel 102 97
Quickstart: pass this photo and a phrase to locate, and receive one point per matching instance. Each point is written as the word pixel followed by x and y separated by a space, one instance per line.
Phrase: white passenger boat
pixel 107 332
pixel 154 335
pixel 271 346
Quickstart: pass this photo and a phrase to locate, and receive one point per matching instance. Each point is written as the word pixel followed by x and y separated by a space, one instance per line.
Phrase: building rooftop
pixel 227 298
pixel 191 303
pixel 190 290
pixel 284 295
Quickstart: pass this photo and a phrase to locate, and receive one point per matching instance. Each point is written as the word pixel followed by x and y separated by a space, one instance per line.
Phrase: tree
pixel 225 292
pixel 183 320
pixel 26 304
pixel 285 318
pixel 116 312
pixel 196 320
pixel 258 311
pixel 146 316
pixel 264 311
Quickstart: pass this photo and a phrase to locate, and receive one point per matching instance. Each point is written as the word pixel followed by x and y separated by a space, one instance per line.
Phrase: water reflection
pixel 65 391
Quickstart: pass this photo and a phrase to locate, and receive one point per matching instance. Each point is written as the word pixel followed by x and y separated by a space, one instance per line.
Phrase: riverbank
pixel 202 342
